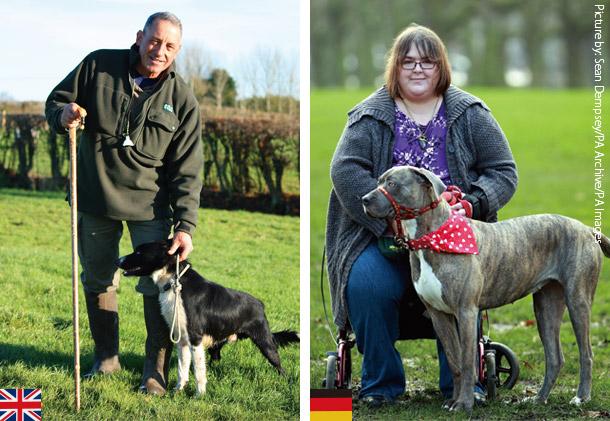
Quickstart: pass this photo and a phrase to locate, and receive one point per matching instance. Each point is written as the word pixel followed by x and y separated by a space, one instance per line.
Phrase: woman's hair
pixel 429 45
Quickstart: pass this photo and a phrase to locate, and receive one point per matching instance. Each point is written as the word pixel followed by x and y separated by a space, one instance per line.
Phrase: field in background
pixel 552 141
pixel 253 252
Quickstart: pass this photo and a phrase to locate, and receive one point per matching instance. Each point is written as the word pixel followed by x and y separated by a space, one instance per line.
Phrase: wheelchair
pixel 498 366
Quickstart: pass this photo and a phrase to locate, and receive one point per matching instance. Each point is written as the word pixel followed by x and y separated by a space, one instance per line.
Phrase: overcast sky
pixel 44 40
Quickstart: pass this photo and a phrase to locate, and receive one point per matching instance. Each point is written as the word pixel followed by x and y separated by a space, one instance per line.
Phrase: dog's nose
pixel 366 200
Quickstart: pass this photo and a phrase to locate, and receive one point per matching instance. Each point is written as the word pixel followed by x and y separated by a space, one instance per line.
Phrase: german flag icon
pixel 335 405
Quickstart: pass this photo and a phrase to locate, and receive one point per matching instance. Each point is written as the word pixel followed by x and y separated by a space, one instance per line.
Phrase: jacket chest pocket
pixel 158 131
pixel 105 110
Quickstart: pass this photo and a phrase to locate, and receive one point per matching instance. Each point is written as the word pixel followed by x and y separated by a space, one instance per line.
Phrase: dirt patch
pixel 254 203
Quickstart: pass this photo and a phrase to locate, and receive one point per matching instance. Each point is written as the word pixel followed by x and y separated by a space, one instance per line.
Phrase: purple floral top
pixel 407 150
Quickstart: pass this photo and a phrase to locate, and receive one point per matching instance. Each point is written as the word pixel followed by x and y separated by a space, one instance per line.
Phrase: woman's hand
pixel 463 207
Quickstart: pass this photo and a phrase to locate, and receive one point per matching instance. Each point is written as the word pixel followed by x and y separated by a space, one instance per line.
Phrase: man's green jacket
pixel 160 175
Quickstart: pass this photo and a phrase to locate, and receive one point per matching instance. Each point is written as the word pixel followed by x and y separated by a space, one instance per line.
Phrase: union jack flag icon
pixel 20 404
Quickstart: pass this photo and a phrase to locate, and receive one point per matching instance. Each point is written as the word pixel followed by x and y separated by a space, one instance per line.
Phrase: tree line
pixel 493 43
pixel 267 80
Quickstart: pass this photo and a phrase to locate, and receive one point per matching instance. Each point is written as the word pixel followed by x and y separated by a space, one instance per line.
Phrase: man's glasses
pixel 425 64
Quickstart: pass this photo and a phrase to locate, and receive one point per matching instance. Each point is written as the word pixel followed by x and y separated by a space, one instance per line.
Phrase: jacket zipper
pixel 122 118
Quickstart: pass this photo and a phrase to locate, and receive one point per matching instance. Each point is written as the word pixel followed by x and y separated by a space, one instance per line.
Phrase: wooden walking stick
pixel 73 202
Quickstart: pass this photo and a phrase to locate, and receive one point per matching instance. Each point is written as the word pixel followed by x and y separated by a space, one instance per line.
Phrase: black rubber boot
pixel 104 324
pixel 158 349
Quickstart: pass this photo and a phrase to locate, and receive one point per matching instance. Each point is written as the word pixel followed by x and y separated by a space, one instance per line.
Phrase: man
pixel 139 160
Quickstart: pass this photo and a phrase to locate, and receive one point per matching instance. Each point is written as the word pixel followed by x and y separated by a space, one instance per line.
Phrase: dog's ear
pixel 430 180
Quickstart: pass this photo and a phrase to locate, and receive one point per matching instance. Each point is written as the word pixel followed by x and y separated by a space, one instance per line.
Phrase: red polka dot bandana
pixel 454 236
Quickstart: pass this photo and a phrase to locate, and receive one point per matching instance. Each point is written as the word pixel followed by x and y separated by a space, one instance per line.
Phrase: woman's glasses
pixel 425 64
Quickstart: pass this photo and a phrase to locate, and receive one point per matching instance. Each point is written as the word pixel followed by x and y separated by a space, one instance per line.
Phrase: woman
pixel 416 119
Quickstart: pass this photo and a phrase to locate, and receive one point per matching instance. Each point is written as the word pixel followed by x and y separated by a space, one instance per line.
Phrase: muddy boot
pixel 158 349
pixel 104 323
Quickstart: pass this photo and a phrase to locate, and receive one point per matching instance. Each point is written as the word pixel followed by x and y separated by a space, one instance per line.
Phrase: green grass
pixel 551 138
pixel 252 252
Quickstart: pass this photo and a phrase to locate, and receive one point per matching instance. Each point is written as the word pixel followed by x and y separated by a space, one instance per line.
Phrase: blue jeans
pixel 374 290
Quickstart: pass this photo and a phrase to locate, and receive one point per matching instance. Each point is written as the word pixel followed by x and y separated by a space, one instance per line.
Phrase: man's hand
pixel 181 240
pixel 71 116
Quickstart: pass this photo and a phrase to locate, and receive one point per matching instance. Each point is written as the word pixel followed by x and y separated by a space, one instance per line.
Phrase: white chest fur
pixel 428 286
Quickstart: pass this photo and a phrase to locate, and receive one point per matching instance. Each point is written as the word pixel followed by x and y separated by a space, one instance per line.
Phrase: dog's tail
pixel 286 337
pixel 604 243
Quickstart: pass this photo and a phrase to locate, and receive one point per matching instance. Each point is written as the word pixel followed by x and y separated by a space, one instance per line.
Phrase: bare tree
pixel 6 97
pixel 269 62
pixel 281 81
pixel 293 81
pixel 250 74
pixel 194 66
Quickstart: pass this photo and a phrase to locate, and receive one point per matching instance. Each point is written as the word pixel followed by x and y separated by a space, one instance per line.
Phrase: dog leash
pixel 323 302
pixel 177 287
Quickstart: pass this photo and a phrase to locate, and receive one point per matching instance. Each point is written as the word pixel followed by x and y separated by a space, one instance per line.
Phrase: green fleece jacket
pixel 160 175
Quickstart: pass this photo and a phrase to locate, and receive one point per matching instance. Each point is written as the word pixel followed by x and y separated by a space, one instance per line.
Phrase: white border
pixel 304 210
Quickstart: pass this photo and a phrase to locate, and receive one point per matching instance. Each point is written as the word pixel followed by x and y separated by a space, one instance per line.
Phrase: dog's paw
pixel 448 403
pixel 579 401
pixel 462 406
pixel 534 400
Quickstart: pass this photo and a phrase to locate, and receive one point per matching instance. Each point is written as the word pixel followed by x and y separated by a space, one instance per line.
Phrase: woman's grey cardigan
pixel 478 157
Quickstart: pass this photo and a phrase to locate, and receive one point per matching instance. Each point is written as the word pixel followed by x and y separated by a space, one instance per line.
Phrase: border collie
pixel 208 314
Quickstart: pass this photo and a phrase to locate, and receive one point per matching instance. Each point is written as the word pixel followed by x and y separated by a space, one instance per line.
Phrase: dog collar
pixel 175 281
pixel 454 236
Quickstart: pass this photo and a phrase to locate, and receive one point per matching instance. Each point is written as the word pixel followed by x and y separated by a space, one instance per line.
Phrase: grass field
pixel 253 252
pixel 552 142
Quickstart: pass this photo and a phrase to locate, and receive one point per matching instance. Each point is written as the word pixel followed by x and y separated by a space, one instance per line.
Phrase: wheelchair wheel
pixel 331 372
pixel 491 380
pixel 346 366
pixel 507 365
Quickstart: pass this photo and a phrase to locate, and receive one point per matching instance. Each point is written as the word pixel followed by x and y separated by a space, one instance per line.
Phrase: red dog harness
pixel 454 236
pixel 403 212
